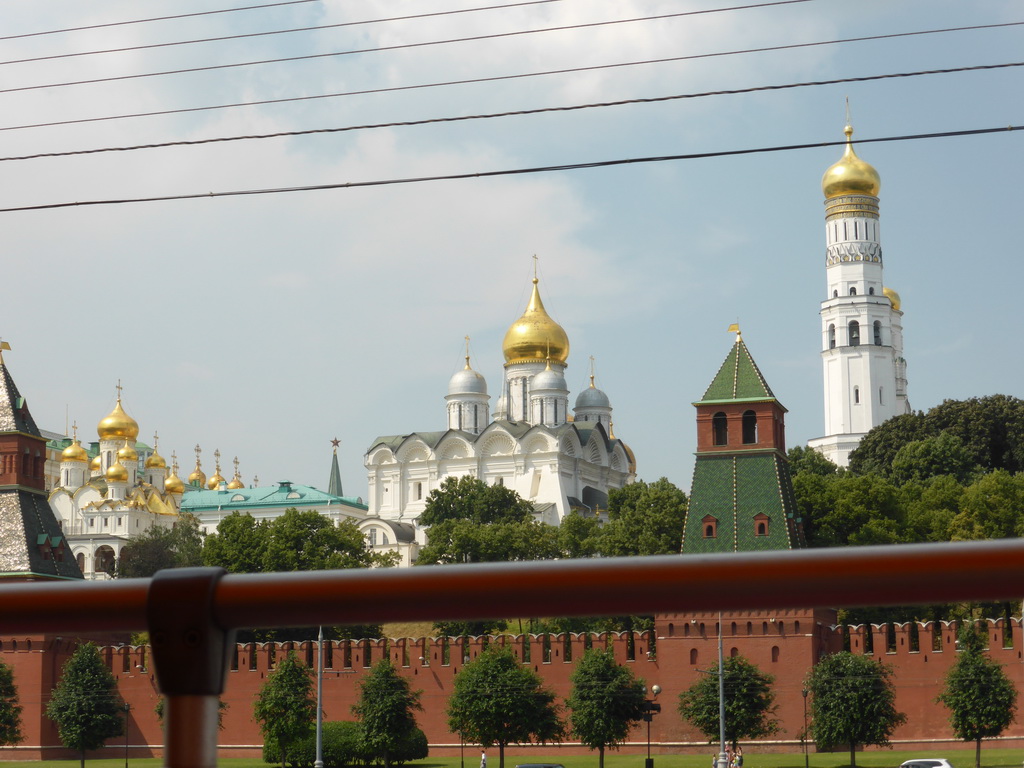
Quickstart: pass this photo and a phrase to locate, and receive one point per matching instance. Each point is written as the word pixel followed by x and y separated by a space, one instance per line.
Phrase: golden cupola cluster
pixel 116 472
pixel 851 175
pixel 535 337
pixel 75 452
pixel 118 424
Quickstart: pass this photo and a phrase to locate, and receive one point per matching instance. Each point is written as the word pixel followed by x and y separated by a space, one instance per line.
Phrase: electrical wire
pixel 155 18
pixel 592 68
pixel 494 36
pixel 515 113
pixel 506 172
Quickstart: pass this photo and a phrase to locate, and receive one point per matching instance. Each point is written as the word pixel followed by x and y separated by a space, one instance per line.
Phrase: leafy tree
pixel 644 519
pixel 981 699
pixel 496 700
pixel 386 710
pixel 749 702
pixel 803 460
pixel 85 704
pixel 853 702
pixel 990 508
pixel 308 541
pixel 158 548
pixel 814 495
pixel 862 510
pixel 579 536
pixel 238 545
pixel 467 498
pixel 10 709
pixel 341 745
pixel 931 506
pixel 943 454
pixel 879 446
pixel 991 429
pixel 605 703
pixel 285 706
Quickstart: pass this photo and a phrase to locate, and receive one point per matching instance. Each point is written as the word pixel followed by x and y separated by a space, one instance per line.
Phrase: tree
pixel 990 508
pixel 308 541
pixel 238 545
pixel 749 702
pixel 876 450
pixel 860 510
pixel 10 709
pixel 644 519
pixel 981 699
pixel 285 706
pixel 158 548
pixel 605 703
pixel 853 702
pixel 85 704
pixel 496 700
pixel 579 536
pixel 809 461
pixel 386 709
pixel 944 454
pixel 467 498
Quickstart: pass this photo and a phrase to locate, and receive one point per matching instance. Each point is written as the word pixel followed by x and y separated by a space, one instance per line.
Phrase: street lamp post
pixel 723 760
pixel 651 708
pixel 803 738
pixel 127 709
pixel 319 762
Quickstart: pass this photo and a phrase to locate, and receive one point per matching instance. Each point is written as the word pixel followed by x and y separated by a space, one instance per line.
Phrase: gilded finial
pixel 74 431
pixel 4 345
pixel 467 352
pixel 592 372
pixel 198 451
pixel 236 466
pixel 119 388
pixel 216 459
pixel 535 267
pixel 735 328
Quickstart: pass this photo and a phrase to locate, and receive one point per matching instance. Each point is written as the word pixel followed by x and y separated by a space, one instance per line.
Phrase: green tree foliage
pixel 857 511
pixel 10 709
pixel 803 460
pixel 386 709
pixel 85 704
pixel 853 702
pixel 158 548
pixel 990 508
pixel 472 522
pixel 749 702
pixel 931 506
pixel 644 519
pixel 990 428
pixel 943 454
pixel 238 546
pixel 605 703
pixel 496 700
pixel 981 699
pixel 285 707
pixel 579 536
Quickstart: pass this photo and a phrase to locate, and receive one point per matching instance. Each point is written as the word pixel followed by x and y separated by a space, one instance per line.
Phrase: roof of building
pixel 284 494
pixel 739 378
pixel 14 413
pixel 33 546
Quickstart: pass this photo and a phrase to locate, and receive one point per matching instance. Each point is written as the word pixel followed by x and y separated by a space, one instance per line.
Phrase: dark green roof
pixel 734 489
pixel 739 378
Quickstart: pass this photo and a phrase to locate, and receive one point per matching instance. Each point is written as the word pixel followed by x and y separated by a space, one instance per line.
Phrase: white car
pixel 927 762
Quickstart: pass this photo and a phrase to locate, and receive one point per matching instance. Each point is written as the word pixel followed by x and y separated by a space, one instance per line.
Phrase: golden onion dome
pixel 851 175
pixel 96 464
pixel 236 483
pixel 156 461
pixel 173 484
pixel 893 297
pixel 74 452
pixel 116 473
pixel 215 480
pixel 198 477
pixel 535 337
pixel 118 424
pixel 127 453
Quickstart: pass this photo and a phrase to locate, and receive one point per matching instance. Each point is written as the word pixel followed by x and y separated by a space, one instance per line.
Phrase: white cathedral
pixel 557 460
pixel 865 374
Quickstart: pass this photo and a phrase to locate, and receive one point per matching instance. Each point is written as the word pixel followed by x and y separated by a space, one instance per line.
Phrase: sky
pixel 264 326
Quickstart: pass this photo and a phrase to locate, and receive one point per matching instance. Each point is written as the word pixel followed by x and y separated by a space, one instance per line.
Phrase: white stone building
pixel 865 374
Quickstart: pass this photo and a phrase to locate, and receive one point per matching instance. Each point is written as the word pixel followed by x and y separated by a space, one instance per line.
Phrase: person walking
pixel 483 758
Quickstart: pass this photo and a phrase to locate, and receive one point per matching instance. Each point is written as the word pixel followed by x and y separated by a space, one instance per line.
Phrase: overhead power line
pixel 514 113
pixel 493 36
pixel 506 172
pixel 155 18
pixel 477 80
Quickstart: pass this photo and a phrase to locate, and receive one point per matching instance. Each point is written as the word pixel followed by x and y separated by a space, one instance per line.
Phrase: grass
pixel 881 758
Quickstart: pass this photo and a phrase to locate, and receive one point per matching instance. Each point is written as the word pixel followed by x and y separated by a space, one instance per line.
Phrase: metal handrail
pixel 855 576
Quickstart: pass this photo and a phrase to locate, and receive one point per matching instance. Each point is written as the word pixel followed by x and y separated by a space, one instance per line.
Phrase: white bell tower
pixel 862 336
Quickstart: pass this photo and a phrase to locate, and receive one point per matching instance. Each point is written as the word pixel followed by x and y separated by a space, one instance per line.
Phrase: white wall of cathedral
pixel 860 388
pixel 549 410
pixel 593 415
pixel 156 476
pixel 468 413
pixel 517 389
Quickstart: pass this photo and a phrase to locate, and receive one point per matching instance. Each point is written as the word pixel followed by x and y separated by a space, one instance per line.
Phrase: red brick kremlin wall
pixel 784 644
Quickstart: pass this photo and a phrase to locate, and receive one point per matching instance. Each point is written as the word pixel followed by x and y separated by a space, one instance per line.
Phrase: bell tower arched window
pixel 720 428
pixel 749 427
pixel 877 333
pixel 832 336
pixel 854 329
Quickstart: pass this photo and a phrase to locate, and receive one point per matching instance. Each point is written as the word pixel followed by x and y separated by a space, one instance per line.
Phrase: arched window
pixel 749 427
pixel 734 652
pixel 853 290
pixel 693 656
pixel 832 336
pixel 761 523
pixel 710 525
pixel 835 294
pixel 871 291
pixel 775 653
pixel 854 329
pixel 878 333
pixel 720 428
pixel 881 400
pixel 856 395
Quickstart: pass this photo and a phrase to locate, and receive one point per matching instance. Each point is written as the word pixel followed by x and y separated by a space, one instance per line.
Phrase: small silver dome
pixel 467 382
pixel 548 379
pixel 592 397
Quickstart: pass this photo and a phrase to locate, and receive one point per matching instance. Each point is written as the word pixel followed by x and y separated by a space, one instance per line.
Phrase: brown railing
pixel 191 613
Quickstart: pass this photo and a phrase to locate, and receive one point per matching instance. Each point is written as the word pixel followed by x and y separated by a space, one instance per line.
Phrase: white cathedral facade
pixel 865 375
pixel 559 461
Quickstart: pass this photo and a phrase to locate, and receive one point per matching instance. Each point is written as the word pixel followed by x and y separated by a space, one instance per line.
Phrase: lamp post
pixel 127 708
pixel 319 762
pixel 723 760
pixel 803 738
pixel 651 708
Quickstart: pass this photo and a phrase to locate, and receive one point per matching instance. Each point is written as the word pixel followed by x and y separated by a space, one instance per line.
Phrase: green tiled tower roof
pixel 739 378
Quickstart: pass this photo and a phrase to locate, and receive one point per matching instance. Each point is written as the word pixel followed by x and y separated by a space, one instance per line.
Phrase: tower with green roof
pixel 741 499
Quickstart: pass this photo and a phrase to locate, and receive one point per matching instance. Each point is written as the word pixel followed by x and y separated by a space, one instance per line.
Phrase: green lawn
pixel 990 758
